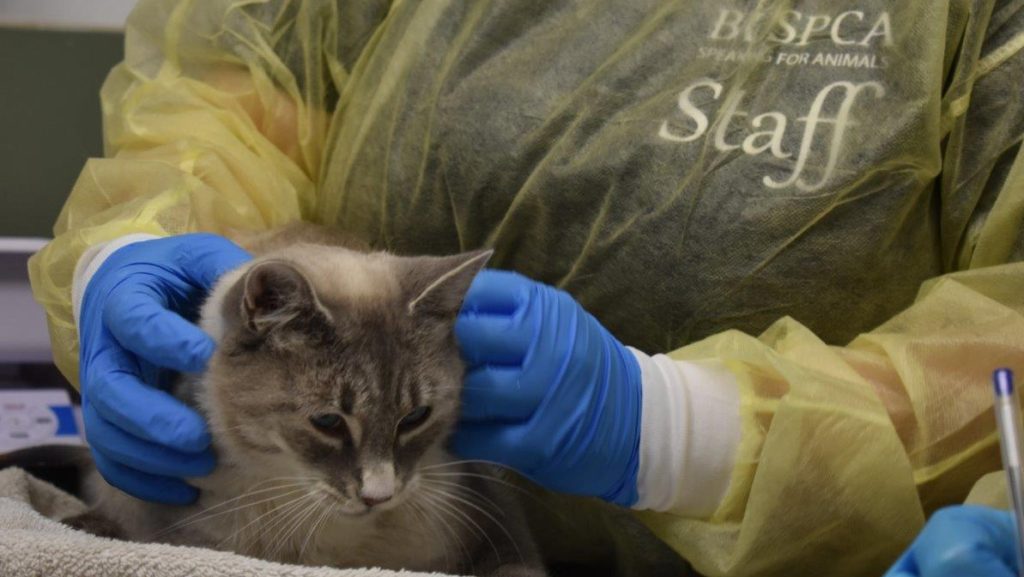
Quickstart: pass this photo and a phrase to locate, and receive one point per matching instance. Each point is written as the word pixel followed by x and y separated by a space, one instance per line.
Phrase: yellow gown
pixel 827 199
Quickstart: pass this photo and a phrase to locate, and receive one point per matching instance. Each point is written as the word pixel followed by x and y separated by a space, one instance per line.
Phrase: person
pixel 754 265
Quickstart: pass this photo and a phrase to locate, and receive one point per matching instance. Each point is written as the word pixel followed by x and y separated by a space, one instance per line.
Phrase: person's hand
pixel 548 391
pixel 133 333
pixel 962 541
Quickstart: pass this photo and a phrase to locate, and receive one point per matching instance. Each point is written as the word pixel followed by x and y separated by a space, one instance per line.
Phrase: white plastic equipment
pixel 32 418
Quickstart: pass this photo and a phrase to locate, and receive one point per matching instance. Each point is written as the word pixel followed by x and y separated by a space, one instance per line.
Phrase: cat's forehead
pixel 345 277
pixel 366 380
pixel 377 349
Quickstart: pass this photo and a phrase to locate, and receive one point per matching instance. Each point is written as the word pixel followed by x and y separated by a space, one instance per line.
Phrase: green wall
pixel 49 119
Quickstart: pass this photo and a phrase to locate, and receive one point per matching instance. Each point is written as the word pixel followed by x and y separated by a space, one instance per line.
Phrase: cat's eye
pixel 327 421
pixel 414 419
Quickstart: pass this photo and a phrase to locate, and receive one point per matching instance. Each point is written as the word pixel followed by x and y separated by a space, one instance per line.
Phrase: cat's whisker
pixel 280 521
pixel 452 494
pixel 459 514
pixel 472 493
pixel 298 519
pixel 272 543
pixel 209 512
pixel 277 513
pixel 425 523
pixel 324 515
pixel 314 512
pixel 448 464
pixel 475 476
pixel 273 510
pixel 430 506
pixel 513 486
pixel 329 513
pixel 449 494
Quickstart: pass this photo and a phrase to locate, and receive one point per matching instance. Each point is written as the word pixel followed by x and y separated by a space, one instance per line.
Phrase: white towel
pixel 33 543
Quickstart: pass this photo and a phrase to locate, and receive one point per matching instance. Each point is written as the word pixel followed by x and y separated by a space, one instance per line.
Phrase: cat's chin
pixel 356 509
pixel 356 513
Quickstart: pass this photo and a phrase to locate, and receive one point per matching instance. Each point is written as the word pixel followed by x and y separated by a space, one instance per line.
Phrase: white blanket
pixel 33 543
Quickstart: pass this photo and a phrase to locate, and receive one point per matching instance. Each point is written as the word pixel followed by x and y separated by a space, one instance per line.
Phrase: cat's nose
pixel 374 501
pixel 378 484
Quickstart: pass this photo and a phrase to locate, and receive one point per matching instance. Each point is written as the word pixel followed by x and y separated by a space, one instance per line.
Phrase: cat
pixel 332 391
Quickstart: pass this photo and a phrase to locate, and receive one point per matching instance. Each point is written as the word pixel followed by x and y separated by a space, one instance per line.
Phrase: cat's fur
pixel 309 328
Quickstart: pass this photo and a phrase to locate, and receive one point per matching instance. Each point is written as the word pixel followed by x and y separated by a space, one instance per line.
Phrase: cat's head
pixel 338 367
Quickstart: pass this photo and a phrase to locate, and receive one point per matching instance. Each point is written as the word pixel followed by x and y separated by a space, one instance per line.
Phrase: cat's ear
pixel 436 286
pixel 270 295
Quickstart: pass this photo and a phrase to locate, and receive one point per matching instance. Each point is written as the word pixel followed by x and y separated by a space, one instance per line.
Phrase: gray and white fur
pixel 334 387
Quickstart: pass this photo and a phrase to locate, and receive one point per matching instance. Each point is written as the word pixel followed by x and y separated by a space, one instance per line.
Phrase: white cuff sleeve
pixel 90 262
pixel 690 430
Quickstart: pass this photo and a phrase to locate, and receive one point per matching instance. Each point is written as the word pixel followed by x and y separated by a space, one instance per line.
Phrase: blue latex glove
pixel 131 331
pixel 963 541
pixel 548 392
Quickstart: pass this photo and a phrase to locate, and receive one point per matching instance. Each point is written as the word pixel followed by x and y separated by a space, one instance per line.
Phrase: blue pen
pixel 1008 418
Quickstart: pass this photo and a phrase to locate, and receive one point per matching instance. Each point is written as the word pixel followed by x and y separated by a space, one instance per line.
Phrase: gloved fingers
pixel 495 393
pixel 492 339
pixel 147 413
pixel 496 292
pixel 904 566
pixel 975 564
pixel 142 455
pixel 966 540
pixel 145 486
pixel 205 257
pixel 144 326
